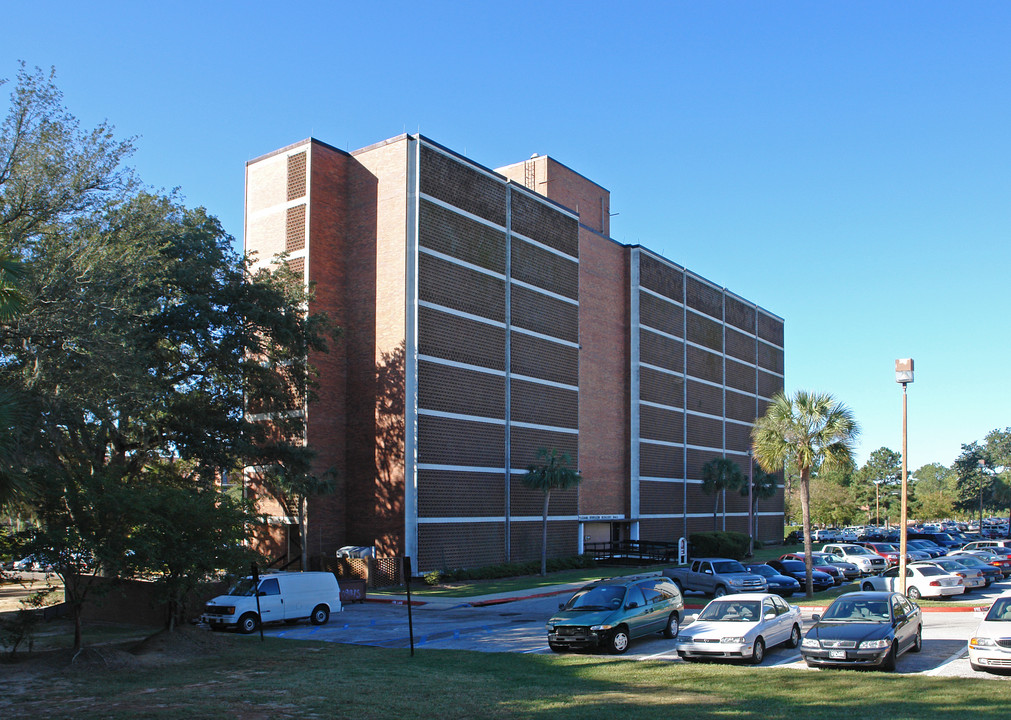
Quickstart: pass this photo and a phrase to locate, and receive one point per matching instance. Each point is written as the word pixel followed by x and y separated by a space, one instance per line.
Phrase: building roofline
pixel 288 148
pixel 707 281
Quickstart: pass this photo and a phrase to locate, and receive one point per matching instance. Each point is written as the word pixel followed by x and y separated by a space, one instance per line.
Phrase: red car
pixel 886 550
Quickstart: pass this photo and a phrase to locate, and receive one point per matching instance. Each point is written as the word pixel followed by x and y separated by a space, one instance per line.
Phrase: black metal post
pixel 256 594
pixel 410 617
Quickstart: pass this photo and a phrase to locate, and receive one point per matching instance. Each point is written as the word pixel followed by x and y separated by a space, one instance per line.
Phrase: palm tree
pixel 553 473
pixel 720 474
pixel 12 301
pixel 763 487
pixel 807 430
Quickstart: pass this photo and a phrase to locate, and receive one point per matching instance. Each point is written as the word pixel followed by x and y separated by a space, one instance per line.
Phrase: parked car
pixel 864 629
pixel 928 547
pixel 288 596
pixel 869 563
pixel 782 585
pixel 990 645
pixel 741 627
pixel 840 570
pixel 940 539
pixel 716 576
pixel 991 574
pixel 851 571
pixel 921 581
pixel 31 562
pixel 1001 562
pixel 610 613
pixel 798 571
pixel 890 552
pixel 1001 547
pixel 971 578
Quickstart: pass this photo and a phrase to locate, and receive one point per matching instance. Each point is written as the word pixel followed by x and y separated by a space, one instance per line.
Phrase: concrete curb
pixel 452 603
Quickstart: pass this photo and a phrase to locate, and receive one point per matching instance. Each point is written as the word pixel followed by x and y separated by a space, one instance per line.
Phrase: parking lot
pixel 518 626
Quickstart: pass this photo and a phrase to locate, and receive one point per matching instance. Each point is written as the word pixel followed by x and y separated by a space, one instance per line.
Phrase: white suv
pixel 868 562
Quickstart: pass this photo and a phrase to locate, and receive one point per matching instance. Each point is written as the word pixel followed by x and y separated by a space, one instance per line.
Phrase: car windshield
pixel 763 570
pixel 793 566
pixel 970 561
pixel 732 611
pixel 1000 611
pixel 243 587
pixel 600 597
pixel 885 547
pixel 857 611
pixel 950 564
pixel 728 566
pixel 858 551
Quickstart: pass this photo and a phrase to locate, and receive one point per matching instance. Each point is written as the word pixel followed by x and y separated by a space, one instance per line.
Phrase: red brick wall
pixel 603 373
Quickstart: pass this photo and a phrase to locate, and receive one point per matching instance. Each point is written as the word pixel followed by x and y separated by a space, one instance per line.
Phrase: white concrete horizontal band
pixel 542 336
pixel 542 291
pixel 460 313
pixel 460 211
pixel 513 519
pixel 546 248
pixel 461 263
pixel 661 296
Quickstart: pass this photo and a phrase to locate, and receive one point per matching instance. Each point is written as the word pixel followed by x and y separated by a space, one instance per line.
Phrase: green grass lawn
pixel 285 679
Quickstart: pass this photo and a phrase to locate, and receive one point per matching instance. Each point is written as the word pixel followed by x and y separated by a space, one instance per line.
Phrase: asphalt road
pixel 518 626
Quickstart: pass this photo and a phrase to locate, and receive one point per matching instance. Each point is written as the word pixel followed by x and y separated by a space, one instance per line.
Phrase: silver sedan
pixel 740 627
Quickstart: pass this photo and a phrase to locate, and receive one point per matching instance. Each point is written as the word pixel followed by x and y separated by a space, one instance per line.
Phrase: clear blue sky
pixel 846 165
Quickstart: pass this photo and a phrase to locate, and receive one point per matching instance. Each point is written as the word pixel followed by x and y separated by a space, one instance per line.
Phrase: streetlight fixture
pixel 903 376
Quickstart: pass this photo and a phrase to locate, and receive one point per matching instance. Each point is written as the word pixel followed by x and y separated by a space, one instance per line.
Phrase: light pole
pixel 904 376
pixel 751 504
pixel 877 502
pixel 982 472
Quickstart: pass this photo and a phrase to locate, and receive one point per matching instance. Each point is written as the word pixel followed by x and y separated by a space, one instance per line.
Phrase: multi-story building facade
pixel 488 314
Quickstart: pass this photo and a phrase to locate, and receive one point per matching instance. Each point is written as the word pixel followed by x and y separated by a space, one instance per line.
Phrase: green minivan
pixel 609 613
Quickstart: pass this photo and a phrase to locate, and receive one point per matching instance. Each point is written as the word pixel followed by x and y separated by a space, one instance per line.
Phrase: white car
pixel 921 581
pixel 740 627
pixel 990 645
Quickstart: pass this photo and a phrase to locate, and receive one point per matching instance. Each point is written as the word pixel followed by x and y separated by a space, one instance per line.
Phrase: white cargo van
pixel 287 596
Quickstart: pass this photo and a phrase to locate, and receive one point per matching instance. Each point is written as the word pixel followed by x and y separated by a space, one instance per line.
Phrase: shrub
pixel 504 570
pixel 719 544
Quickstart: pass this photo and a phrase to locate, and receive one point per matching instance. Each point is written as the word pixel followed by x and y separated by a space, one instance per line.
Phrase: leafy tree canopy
pixel 145 353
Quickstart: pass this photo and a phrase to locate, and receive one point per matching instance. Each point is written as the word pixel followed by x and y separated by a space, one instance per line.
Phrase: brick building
pixel 487 314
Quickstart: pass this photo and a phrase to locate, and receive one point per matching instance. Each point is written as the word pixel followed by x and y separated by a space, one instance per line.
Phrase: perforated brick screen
pixel 294 229
pixel 296 175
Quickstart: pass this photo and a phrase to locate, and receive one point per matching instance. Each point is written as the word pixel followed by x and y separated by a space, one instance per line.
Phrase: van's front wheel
pixel 248 623
pixel 320 615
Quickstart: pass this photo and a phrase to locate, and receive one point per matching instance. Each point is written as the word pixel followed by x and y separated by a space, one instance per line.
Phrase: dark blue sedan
pixel 782 585
pixel 864 629
pixel 798 571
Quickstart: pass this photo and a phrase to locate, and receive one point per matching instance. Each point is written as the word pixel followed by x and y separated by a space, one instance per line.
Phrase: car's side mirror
pixel 561 605
pixel 770 614
pixel 632 605
pixel 816 617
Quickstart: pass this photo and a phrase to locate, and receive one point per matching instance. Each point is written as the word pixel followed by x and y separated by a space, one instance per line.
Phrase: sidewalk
pixel 692 602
